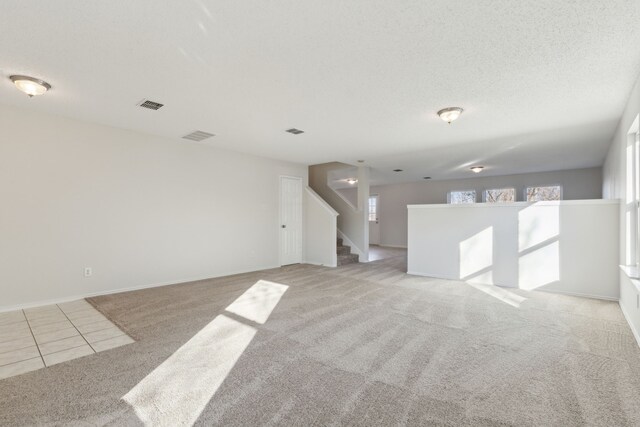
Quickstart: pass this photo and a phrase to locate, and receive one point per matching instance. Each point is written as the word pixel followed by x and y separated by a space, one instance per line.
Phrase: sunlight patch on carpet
pixel 177 391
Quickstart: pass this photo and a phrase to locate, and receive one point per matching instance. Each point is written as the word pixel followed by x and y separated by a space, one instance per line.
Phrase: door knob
pixel 283 226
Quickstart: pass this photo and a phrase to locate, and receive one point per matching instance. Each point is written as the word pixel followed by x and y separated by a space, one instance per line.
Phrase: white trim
pixel 128 289
pixel 573 294
pixel 550 291
pixel 433 276
pixel 319 264
pixel 322 202
pixel 628 319
pixel 512 204
pixel 344 199
pixel 392 246
pixel 354 248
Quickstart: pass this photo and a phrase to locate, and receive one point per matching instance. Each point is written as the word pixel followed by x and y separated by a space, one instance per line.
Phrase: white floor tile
pixel 11 317
pixel 97 317
pixel 13 335
pixel 73 306
pixel 112 343
pixel 21 367
pixel 63 344
pixel 33 338
pixel 96 326
pixel 55 335
pixel 54 318
pixel 14 327
pixel 19 355
pixel 17 344
pixel 40 312
pixel 65 355
pixel 103 334
pixel 50 327
pixel 82 313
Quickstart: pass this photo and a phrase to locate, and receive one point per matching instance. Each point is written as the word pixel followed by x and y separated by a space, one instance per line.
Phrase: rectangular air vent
pixel 295 131
pixel 151 105
pixel 198 135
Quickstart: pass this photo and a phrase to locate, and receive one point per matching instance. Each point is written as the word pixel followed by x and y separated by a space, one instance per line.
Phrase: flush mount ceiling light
pixel 477 169
pixel 30 85
pixel 352 181
pixel 397 170
pixel 450 114
pixel 426 177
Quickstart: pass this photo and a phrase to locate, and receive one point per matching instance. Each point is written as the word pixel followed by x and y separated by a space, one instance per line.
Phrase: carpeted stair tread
pixel 348 259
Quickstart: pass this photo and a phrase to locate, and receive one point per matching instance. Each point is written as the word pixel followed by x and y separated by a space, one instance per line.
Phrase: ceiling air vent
pixel 295 131
pixel 198 135
pixel 145 103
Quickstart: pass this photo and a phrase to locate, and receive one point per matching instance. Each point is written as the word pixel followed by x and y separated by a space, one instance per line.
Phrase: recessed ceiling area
pixel 542 83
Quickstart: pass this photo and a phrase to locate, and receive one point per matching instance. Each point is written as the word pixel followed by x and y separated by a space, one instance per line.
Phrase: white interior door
pixel 374 220
pixel 290 220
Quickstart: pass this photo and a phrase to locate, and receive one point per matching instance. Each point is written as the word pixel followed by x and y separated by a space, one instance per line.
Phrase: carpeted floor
pixel 363 344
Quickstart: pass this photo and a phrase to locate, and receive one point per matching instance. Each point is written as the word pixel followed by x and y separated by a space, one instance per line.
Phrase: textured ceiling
pixel 543 83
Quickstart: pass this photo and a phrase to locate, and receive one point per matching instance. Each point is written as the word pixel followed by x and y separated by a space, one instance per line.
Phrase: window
pixel 540 194
pixel 373 208
pixel 500 195
pixel 465 196
pixel 632 199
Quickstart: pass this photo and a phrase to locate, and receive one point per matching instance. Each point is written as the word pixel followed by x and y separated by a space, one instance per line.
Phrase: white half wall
pixel 321 226
pixel 567 247
pixel 140 210
pixel 577 184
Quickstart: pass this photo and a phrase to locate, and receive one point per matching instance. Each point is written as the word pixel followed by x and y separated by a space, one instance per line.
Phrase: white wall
pixel 568 247
pixel 614 187
pixel 393 199
pixel 140 210
pixel 321 227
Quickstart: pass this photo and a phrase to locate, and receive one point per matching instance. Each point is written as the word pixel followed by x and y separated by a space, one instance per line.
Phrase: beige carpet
pixel 364 344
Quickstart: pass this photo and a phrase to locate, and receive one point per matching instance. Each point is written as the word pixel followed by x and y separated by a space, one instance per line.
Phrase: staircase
pixel 344 254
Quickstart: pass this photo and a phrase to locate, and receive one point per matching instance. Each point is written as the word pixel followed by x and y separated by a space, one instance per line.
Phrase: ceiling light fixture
pixel 352 181
pixel 397 170
pixel 450 114
pixel 477 169
pixel 426 177
pixel 30 85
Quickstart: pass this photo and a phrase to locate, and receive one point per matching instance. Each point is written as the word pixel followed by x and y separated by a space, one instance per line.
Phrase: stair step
pixel 344 250
pixel 339 241
pixel 348 259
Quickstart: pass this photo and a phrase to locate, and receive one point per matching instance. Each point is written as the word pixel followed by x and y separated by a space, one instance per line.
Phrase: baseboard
pixel 576 294
pixel 628 319
pixel 433 276
pixel 319 264
pixel 120 290
pixel 392 246
pixel 551 291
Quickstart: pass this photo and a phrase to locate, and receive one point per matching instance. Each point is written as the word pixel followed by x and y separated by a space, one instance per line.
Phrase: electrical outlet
pixel 88 271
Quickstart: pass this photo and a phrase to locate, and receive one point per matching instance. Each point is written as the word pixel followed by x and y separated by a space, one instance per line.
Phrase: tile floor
pixel 34 338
